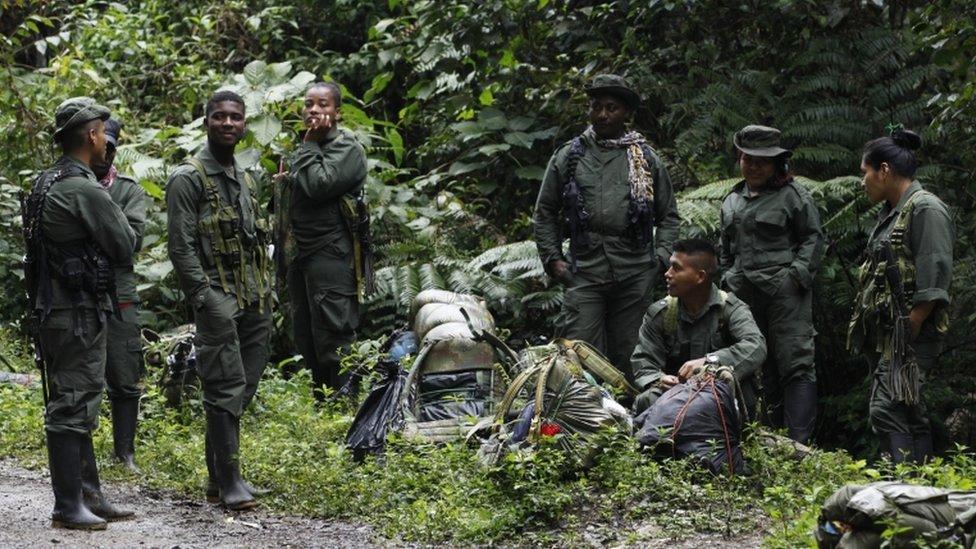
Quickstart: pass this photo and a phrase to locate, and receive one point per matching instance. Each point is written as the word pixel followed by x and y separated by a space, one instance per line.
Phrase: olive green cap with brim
pixel 77 111
pixel 614 85
pixel 761 141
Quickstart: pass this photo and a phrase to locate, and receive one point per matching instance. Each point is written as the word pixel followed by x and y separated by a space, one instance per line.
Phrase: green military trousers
pixel 232 349
pixel 785 318
pixel 889 415
pixel 75 369
pixel 123 366
pixel 608 314
pixel 325 312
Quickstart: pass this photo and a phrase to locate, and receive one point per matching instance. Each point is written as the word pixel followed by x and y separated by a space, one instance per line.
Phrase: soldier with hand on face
pixel 218 245
pixel 607 191
pixel 124 365
pixel 697 327
pixel 74 233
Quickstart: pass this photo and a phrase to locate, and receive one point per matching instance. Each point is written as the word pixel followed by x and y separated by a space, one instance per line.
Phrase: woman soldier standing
pixel 901 313
pixel 770 253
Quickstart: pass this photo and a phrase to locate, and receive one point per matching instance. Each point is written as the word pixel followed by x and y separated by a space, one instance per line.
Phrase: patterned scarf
pixel 107 181
pixel 641 182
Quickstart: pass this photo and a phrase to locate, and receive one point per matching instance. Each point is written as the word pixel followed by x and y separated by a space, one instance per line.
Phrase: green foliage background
pixel 461 103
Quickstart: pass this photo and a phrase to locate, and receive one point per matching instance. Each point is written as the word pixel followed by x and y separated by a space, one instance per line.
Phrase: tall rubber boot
pixel 91 486
pixel 922 447
pixel 213 491
pixel 125 417
pixel 800 410
pixel 253 490
pixel 901 446
pixel 222 431
pixel 64 457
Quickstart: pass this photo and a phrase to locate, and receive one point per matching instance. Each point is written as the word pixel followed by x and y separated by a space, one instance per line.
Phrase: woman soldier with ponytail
pixel 901 315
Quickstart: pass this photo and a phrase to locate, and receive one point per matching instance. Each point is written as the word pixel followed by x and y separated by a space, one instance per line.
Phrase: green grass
pixel 427 493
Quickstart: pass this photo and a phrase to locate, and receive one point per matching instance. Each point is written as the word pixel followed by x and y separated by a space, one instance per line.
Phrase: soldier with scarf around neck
pixel 610 194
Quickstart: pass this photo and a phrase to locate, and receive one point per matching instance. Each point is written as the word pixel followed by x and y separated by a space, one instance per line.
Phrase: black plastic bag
pixel 381 411
pixel 696 419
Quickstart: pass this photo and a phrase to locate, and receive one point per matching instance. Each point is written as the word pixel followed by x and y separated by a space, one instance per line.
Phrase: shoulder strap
pixel 671 318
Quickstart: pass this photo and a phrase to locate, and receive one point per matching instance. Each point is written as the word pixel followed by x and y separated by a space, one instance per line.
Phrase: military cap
pixel 761 141
pixel 112 130
pixel 76 111
pixel 614 85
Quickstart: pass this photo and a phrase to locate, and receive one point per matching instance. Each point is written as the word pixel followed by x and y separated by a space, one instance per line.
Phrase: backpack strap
pixel 671 315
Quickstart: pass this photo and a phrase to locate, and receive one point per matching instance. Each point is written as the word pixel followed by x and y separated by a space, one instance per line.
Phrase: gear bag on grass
pixel 855 516
pixel 696 419
pixel 175 355
pixel 555 397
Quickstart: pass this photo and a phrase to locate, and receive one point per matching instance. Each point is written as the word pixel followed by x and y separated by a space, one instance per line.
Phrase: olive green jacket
pixel 186 205
pixel 603 177
pixel 929 236
pixel 321 173
pixel 769 236
pixel 130 196
pixel 738 344
pixel 78 207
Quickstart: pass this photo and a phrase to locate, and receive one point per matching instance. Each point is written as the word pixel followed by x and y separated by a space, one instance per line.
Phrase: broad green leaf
pixel 248 157
pixel 486 98
pixel 519 139
pixel 265 128
pixel 492 119
pixel 531 173
pixel 301 80
pixel 459 168
pixel 396 143
pixel 254 72
pixel 494 148
pixel 380 81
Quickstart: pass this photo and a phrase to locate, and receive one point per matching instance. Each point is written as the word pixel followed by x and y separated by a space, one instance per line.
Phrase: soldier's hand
pixel 669 381
pixel 688 368
pixel 318 127
pixel 559 270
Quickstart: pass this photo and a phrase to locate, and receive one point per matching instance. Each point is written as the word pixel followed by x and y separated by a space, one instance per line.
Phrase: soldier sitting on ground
pixel 697 326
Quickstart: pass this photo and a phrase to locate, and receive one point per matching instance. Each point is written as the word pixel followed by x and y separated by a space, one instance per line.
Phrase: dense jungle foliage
pixel 460 105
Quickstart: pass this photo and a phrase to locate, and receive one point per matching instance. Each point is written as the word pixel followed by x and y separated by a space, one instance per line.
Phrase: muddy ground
pixel 165 521
pixel 161 521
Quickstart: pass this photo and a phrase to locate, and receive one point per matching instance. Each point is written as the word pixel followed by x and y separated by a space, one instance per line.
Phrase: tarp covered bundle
pixel 855 517
pixel 696 419
pixel 554 397
pixel 176 356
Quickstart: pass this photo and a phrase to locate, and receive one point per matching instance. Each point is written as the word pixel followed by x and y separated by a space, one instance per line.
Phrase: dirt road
pixel 161 521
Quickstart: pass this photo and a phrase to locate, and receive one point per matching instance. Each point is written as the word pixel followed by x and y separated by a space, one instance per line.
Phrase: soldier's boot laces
pixel 125 418
pixel 70 511
pixel 91 486
pixel 222 428
pixel 213 490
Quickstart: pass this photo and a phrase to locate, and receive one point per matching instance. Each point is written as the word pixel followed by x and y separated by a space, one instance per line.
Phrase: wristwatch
pixel 712 360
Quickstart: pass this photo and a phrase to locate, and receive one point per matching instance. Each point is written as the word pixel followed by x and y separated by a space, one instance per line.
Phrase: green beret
pixel 75 112
pixel 761 141
pixel 616 86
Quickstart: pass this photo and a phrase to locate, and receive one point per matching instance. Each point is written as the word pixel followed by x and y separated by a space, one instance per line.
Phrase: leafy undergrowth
pixel 421 492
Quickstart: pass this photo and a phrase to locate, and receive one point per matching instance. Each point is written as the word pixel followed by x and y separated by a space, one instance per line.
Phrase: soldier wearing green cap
pixel 124 367
pixel 74 232
pixel 218 245
pixel 610 194
pixel 771 249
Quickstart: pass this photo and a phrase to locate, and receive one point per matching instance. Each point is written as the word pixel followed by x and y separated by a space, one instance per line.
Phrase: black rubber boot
pixel 91 486
pixel 125 417
pixel 222 431
pixel 800 410
pixel 213 491
pixel 64 456
pixel 901 446
pixel 922 447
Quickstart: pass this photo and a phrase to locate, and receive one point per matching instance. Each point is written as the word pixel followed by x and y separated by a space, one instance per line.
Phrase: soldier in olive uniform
pixel 697 326
pixel 771 249
pixel 74 233
pixel 319 249
pixel 607 191
pixel 218 246
pixel 901 315
pixel 124 367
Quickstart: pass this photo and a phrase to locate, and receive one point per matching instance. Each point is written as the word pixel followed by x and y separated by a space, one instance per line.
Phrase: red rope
pixel 725 428
pixel 680 418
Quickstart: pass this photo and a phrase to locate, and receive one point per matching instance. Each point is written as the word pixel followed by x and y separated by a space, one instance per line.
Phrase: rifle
pixel 30 279
pixel 903 373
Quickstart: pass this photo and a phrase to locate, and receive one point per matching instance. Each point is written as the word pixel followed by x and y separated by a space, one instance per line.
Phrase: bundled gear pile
pixel 697 419
pixel 855 517
pixel 555 397
pixel 175 355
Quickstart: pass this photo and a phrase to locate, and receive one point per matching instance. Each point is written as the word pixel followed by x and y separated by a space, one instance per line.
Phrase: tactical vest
pixel 875 309
pixel 229 247
pixel 79 266
pixel 576 217
pixel 671 328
